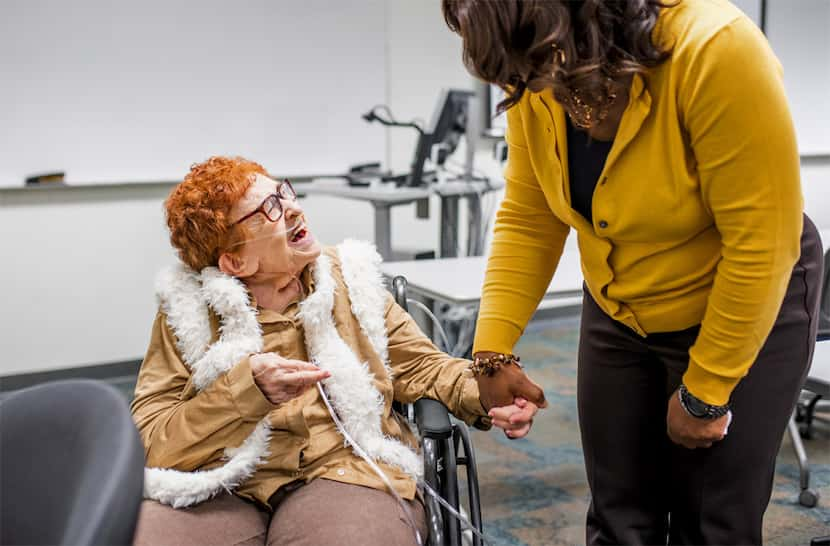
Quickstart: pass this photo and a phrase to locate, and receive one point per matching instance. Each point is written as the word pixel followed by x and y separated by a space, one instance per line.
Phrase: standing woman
pixel 661 134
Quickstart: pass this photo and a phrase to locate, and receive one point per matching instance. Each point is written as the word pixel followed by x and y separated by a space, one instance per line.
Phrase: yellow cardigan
pixel 697 214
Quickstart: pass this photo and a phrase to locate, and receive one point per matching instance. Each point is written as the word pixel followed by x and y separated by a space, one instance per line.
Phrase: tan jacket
pixel 188 429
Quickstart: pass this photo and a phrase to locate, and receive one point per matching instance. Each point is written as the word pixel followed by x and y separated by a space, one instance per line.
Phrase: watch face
pixel 698 409
pixel 695 406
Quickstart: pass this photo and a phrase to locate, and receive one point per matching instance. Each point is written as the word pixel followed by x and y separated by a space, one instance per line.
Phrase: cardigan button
pixel 603 224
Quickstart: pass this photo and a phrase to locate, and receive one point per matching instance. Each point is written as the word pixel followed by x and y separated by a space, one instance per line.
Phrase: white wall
pixel 801 41
pixel 77 283
pixel 79 263
pixel 815 183
pixel 797 32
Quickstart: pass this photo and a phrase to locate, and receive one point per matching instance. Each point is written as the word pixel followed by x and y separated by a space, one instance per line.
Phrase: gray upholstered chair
pixel 71 465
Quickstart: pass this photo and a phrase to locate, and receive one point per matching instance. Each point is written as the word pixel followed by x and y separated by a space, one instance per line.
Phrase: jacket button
pixel 341 472
pixel 603 224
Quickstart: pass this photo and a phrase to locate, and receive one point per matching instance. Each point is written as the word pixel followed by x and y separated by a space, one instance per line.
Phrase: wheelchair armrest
pixel 433 419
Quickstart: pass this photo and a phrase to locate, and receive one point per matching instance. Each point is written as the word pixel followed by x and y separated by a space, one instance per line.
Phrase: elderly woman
pixel 234 428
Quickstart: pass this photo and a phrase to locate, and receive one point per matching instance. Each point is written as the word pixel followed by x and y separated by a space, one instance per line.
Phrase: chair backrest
pixel 71 463
pixel 824 306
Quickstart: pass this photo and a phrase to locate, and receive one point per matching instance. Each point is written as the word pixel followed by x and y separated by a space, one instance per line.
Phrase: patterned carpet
pixel 534 491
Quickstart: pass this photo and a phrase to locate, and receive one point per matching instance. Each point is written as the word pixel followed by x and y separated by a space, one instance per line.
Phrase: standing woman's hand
pixel 506 384
pixel 693 432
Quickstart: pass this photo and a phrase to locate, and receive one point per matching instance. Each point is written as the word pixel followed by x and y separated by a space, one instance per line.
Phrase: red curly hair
pixel 198 209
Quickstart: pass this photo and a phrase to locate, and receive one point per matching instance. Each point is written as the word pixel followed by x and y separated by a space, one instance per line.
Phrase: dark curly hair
pixel 585 45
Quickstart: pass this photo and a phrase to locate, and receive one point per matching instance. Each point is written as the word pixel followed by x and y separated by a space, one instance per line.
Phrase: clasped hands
pixel 509 396
pixel 282 379
pixel 511 400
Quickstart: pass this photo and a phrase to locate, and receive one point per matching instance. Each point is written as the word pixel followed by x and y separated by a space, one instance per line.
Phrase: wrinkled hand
pixel 693 432
pixel 516 419
pixel 281 379
pixel 508 383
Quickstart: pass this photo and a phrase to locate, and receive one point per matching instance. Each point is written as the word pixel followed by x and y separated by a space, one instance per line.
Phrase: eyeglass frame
pixel 277 195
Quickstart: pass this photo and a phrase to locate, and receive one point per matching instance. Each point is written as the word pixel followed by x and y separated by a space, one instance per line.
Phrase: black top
pixel 586 158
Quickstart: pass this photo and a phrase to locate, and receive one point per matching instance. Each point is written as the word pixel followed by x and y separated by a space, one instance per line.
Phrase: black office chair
pixel 446 446
pixel 816 391
pixel 71 466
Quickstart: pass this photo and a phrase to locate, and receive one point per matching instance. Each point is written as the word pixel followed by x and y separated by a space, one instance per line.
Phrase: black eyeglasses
pixel 271 207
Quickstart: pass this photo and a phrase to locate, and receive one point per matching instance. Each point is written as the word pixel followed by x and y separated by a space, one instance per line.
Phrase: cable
pixel 460 517
pixel 382 475
pixel 435 320
pixel 390 120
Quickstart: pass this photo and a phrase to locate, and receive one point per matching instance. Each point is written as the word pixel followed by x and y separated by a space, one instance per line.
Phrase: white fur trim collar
pixel 353 395
pixel 360 263
pixel 185 297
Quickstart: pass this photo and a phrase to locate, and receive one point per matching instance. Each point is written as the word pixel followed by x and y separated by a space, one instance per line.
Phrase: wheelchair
pixel 446 446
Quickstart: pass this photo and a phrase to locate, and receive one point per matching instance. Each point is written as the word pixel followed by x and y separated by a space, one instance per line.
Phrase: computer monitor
pixel 447 126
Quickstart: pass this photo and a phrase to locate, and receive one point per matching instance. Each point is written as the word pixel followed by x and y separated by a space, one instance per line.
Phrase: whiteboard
pixel 112 91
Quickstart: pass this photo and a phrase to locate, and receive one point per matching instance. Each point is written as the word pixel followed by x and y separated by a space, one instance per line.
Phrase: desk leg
pixel 449 226
pixel 475 226
pixel 383 230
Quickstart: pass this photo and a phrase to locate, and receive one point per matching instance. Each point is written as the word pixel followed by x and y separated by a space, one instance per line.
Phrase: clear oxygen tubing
pixel 446 342
pixel 460 517
pixel 382 475
pixel 301 224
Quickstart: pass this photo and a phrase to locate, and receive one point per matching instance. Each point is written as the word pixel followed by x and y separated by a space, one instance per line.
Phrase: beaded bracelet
pixel 491 364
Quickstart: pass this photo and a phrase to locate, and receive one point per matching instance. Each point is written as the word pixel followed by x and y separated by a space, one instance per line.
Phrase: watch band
pixel 698 408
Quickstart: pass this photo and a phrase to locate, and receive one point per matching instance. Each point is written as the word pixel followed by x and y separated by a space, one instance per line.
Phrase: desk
pixel 459 280
pixel 384 196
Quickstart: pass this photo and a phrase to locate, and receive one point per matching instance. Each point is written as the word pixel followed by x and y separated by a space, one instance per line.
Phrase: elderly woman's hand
pixel 516 419
pixel 281 379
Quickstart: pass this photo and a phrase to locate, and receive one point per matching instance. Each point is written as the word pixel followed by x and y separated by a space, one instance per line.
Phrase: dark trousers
pixel 644 488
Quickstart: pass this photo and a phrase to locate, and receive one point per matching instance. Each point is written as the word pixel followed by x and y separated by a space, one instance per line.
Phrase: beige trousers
pixel 320 513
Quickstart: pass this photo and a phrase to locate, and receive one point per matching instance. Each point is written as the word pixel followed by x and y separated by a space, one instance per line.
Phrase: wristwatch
pixel 698 408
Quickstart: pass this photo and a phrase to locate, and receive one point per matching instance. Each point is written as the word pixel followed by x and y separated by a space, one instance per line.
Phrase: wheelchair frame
pixel 446 445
